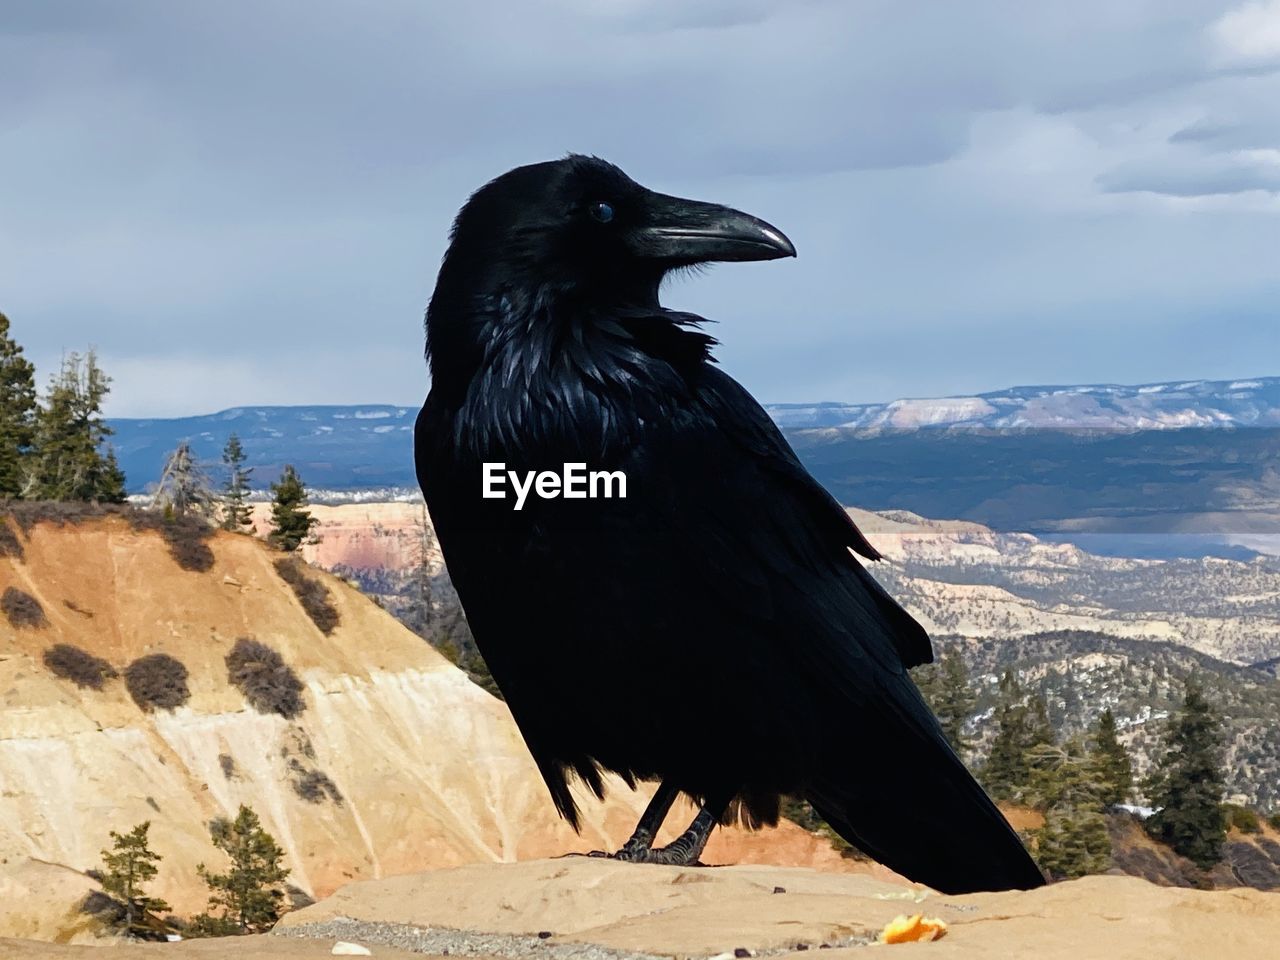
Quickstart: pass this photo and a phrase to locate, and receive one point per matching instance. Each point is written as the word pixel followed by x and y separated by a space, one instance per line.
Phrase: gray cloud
pixel 245 202
pixel 1201 177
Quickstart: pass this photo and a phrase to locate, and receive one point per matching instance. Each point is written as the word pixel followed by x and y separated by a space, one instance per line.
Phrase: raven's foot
pixel 636 850
pixel 686 851
pixel 675 855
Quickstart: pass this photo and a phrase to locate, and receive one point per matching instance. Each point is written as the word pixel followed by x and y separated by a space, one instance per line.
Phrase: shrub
pixel 106 910
pixel 311 593
pixel 22 609
pixel 61 512
pixel 10 545
pixel 204 925
pixel 228 765
pixel 266 681
pixel 157 682
pixel 186 537
pixel 313 786
pixel 79 666
pixel 1242 818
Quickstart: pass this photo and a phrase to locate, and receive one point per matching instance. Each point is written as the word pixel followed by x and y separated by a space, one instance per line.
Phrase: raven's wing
pixel 802 504
pixel 887 779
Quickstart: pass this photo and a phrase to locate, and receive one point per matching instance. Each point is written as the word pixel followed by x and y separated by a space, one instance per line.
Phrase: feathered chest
pixel 582 386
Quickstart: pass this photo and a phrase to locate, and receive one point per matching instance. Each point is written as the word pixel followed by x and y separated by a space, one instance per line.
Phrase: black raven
pixel 711 629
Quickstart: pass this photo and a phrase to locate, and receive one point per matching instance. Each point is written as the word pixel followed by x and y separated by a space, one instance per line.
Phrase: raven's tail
pixel 925 817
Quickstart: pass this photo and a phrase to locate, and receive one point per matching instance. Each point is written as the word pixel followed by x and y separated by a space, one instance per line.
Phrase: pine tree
pixel 68 461
pixel 1005 774
pixel 1187 785
pixel 1039 730
pixel 127 867
pixel 236 513
pixel 291 522
pixel 17 411
pixel 1074 840
pixel 954 698
pixel 184 487
pixel 249 894
pixel 1111 761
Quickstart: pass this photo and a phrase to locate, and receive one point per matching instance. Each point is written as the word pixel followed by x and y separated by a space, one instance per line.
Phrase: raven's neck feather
pixel 548 373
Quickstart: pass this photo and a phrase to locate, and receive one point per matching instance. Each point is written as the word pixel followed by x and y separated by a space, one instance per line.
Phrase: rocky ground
pixel 583 909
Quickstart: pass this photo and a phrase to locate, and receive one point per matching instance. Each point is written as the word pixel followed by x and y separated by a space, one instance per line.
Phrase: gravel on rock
pixel 442 941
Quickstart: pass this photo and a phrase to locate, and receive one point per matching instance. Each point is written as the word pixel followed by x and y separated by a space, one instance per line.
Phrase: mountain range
pixel 1161 461
pixel 369 446
pixel 1097 406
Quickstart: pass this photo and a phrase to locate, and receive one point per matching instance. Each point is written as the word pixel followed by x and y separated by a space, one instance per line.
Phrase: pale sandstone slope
pixel 431 769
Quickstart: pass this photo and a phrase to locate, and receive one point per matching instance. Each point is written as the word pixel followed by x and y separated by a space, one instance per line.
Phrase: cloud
pixel 1249 34
pixel 258 200
pixel 1238 172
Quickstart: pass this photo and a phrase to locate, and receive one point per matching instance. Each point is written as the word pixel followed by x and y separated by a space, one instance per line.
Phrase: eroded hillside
pixel 395 762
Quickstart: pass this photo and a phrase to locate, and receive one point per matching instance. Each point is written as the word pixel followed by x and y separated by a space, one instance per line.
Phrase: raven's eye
pixel 601 212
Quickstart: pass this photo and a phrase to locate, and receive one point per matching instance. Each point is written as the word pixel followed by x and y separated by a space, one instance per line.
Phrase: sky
pixel 246 202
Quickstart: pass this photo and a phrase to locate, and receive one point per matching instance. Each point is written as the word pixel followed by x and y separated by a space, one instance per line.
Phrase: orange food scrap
pixel 913 929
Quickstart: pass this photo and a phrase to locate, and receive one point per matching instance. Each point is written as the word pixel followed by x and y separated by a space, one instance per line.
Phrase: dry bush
pixel 79 666
pixel 228 765
pixel 157 682
pixel 312 594
pixel 187 537
pixel 27 513
pixel 22 609
pixel 10 545
pixel 313 786
pixel 100 906
pixel 267 682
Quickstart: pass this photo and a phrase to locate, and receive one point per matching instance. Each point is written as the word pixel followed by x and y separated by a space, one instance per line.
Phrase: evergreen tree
pixel 236 513
pixel 249 894
pixel 1005 774
pixel 1074 840
pixel 953 698
pixel 1111 761
pixel 1039 729
pixel 1186 786
pixel 127 867
pixel 17 411
pixel 291 522
pixel 184 487
pixel 68 461
pixel 1022 727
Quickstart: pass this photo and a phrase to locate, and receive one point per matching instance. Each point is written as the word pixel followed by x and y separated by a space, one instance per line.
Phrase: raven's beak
pixel 690 231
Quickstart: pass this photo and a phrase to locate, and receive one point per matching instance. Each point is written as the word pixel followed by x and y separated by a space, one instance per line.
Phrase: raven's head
pixel 582 225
